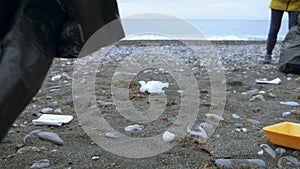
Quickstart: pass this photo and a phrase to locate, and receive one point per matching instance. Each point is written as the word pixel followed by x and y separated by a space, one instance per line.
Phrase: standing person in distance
pixel 278 7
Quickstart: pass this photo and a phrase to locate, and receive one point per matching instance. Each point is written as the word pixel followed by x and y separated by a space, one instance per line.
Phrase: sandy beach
pixel 248 108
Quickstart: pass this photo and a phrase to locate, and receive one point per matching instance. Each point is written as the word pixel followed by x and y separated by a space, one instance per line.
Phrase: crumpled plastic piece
pixel 153 86
pixel 52 119
pixel 265 81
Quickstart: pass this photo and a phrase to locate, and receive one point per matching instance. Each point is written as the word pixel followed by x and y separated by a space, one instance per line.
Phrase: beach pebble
pixel 48 97
pixel 195 70
pixel 31 134
pixel 253 121
pixel 37 114
pixel 58 111
pixel 52 137
pixel 28 149
pixel 112 135
pixel 284 114
pixel 237 130
pixel 200 133
pixel 257 97
pixel 296 112
pixel 134 127
pixel 217 136
pixel 237 163
pixel 269 150
pixel 207 126
pixel 44 163
pixel 175 121
pixel 244 129
pixel 296 153
pixel 288 162
pixel 104 103
pixel 273 95
pixel 168 136
pixel 54 87
pixel 240 125
pixel 95 157
pixel 56 78
pixel 214 117
pixel 290 103
pixel 47 110
pixel 235 116
pixel 54 103
pixel 261 152
pixel 251 92
pixel 280 151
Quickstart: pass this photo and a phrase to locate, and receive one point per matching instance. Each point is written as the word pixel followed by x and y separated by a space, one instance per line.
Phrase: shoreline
pixel 195 42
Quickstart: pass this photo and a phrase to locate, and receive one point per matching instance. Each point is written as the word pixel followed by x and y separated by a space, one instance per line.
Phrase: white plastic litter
pixel 52 119
pixel 290 103
pixel 168 136
pixel 153 86
pixel 265 81
pixel 134 127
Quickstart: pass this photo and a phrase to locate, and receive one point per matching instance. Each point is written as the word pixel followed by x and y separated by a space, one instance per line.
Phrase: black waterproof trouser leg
pixel 276 18
pixel 26 53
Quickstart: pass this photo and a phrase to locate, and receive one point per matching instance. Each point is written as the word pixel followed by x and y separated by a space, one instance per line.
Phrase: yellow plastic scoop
pixel 285 134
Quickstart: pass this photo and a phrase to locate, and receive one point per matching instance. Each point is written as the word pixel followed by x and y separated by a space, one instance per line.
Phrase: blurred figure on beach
pixel 278 7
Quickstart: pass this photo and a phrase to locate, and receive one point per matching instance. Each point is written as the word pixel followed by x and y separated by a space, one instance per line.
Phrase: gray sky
pixel 199 9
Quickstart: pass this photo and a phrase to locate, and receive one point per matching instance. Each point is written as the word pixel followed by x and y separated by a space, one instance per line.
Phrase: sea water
pixel 209 29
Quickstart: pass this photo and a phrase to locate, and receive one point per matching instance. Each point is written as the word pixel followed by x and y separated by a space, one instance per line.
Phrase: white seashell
pixel 168 136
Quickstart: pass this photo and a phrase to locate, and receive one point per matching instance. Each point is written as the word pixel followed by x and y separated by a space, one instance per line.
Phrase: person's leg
pixel 276 17
pixel 292 18
pixel 25 56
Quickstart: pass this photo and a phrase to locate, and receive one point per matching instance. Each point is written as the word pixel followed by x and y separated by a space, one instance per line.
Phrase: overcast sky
pixel 198 9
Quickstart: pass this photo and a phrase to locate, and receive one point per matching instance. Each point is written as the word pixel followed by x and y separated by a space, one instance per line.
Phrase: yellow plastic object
pixel 285 134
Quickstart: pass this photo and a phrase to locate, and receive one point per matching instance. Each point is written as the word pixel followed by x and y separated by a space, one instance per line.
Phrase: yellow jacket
pixel 285 5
